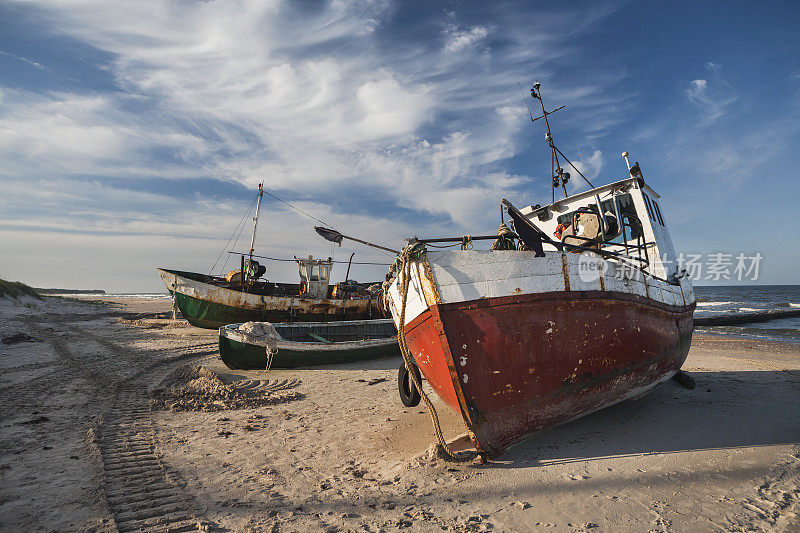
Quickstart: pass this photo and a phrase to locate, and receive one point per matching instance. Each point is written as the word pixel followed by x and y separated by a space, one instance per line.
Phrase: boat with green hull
pixel 208 301
pixel 212 302
pixel 306 344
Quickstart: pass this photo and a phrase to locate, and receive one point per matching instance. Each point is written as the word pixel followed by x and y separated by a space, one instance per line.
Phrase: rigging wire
pixel 236 243
pixel 224 248
pixel 443 245
pixel 524 101
pixel 294 260
pixel 578 147
pixel 299 210
pixel 312 217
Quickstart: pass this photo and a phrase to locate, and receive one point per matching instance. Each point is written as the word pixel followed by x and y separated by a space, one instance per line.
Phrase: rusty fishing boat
pixel 575 309
pixel 209 301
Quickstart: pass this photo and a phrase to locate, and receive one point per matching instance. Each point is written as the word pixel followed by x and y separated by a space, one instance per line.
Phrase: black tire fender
pixel 409 394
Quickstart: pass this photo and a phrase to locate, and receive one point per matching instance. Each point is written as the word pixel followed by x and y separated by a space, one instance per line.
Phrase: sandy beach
pixel 99 396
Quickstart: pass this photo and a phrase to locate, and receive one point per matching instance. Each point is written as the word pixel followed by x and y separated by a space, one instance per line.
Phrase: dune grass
pixel 15 289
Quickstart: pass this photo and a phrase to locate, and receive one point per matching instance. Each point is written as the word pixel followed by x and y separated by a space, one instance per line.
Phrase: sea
pixel 711 301
pixel 724 300
pixel 138 295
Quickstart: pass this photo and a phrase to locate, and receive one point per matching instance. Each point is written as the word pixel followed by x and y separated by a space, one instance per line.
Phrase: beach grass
pixel 15 289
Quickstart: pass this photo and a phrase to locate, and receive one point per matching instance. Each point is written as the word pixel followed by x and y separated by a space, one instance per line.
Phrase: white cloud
pixel 25 60
pixel 310 99
pixel 589 167
pixel 457 39
pixel 390 109
pixel 712 100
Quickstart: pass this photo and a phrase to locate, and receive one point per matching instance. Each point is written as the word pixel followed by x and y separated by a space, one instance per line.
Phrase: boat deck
pixel 351 330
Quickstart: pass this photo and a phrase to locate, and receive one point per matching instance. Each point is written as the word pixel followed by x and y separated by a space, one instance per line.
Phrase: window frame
pixel 658 213
pixel 650 210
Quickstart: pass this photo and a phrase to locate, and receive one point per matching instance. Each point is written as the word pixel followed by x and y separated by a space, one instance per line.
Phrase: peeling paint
pixel 508 325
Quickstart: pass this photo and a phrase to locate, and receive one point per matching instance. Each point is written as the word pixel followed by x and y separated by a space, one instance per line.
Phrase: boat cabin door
pixel 315 276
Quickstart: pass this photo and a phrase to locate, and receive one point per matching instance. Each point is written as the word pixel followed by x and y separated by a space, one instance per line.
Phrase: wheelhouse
pixel 629 222
pixel 315 276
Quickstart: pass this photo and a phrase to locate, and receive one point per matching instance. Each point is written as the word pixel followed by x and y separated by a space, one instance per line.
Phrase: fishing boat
pixel 262 345
pixel 208 301
pixel 580 307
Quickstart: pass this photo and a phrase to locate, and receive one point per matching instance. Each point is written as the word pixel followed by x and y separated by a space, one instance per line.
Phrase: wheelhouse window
pixel 649 207
pixel 626 210
pixel 658 212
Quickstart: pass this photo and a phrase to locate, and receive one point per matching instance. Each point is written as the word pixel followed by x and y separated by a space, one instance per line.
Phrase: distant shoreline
pixel 69 291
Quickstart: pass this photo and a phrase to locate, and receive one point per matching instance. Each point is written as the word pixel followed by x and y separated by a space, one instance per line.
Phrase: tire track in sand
pixel 141 493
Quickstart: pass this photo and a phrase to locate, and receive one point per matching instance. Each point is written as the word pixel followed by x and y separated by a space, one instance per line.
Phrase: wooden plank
pixel 319 338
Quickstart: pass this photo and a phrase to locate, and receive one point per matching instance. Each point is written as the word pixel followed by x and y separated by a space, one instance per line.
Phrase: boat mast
pixel 255 219
pixel 560 177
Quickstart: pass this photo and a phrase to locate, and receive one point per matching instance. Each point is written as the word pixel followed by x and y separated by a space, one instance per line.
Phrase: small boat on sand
pixel 261 345
pixel 208 301
pixel 211 301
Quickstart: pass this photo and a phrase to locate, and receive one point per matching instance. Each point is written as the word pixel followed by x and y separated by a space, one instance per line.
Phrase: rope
pixel 270 354
pixel 407 255
pixel 505 239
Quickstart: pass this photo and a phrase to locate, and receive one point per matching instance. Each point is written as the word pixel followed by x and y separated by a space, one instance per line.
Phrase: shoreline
pixel 323 449
pixel 127 303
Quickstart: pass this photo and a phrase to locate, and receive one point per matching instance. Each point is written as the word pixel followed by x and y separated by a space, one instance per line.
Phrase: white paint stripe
pixel 466 275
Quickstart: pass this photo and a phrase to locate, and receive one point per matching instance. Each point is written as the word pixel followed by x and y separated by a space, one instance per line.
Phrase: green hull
pixel 242 356
pixel 212 315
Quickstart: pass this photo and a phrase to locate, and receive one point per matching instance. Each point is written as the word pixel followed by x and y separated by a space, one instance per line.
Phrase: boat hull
pixel 520 364
pixel 244 356
pixel 209 306
pixel 517 343
pixel 369 339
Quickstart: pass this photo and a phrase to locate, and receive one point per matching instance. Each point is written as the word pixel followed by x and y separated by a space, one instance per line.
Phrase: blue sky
pixel 132 135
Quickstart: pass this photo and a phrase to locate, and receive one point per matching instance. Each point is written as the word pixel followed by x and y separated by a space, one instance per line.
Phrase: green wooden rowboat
pixel 309 344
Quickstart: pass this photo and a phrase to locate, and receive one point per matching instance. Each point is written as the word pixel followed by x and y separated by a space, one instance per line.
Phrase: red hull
pixel 519 364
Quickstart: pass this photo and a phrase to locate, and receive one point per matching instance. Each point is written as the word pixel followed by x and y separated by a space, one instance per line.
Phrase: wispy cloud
pixel 25 60
pixel 457 38
pixel 294 96
pixel 390 135
pixel 712 99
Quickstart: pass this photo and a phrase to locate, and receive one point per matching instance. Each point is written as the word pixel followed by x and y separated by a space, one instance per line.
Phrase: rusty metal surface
pixel 425 343
pixel 201 302
pixel 525 363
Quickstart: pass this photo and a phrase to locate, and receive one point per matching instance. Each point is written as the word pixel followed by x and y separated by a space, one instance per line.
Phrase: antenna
pixel 625 155
pixel 559 176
